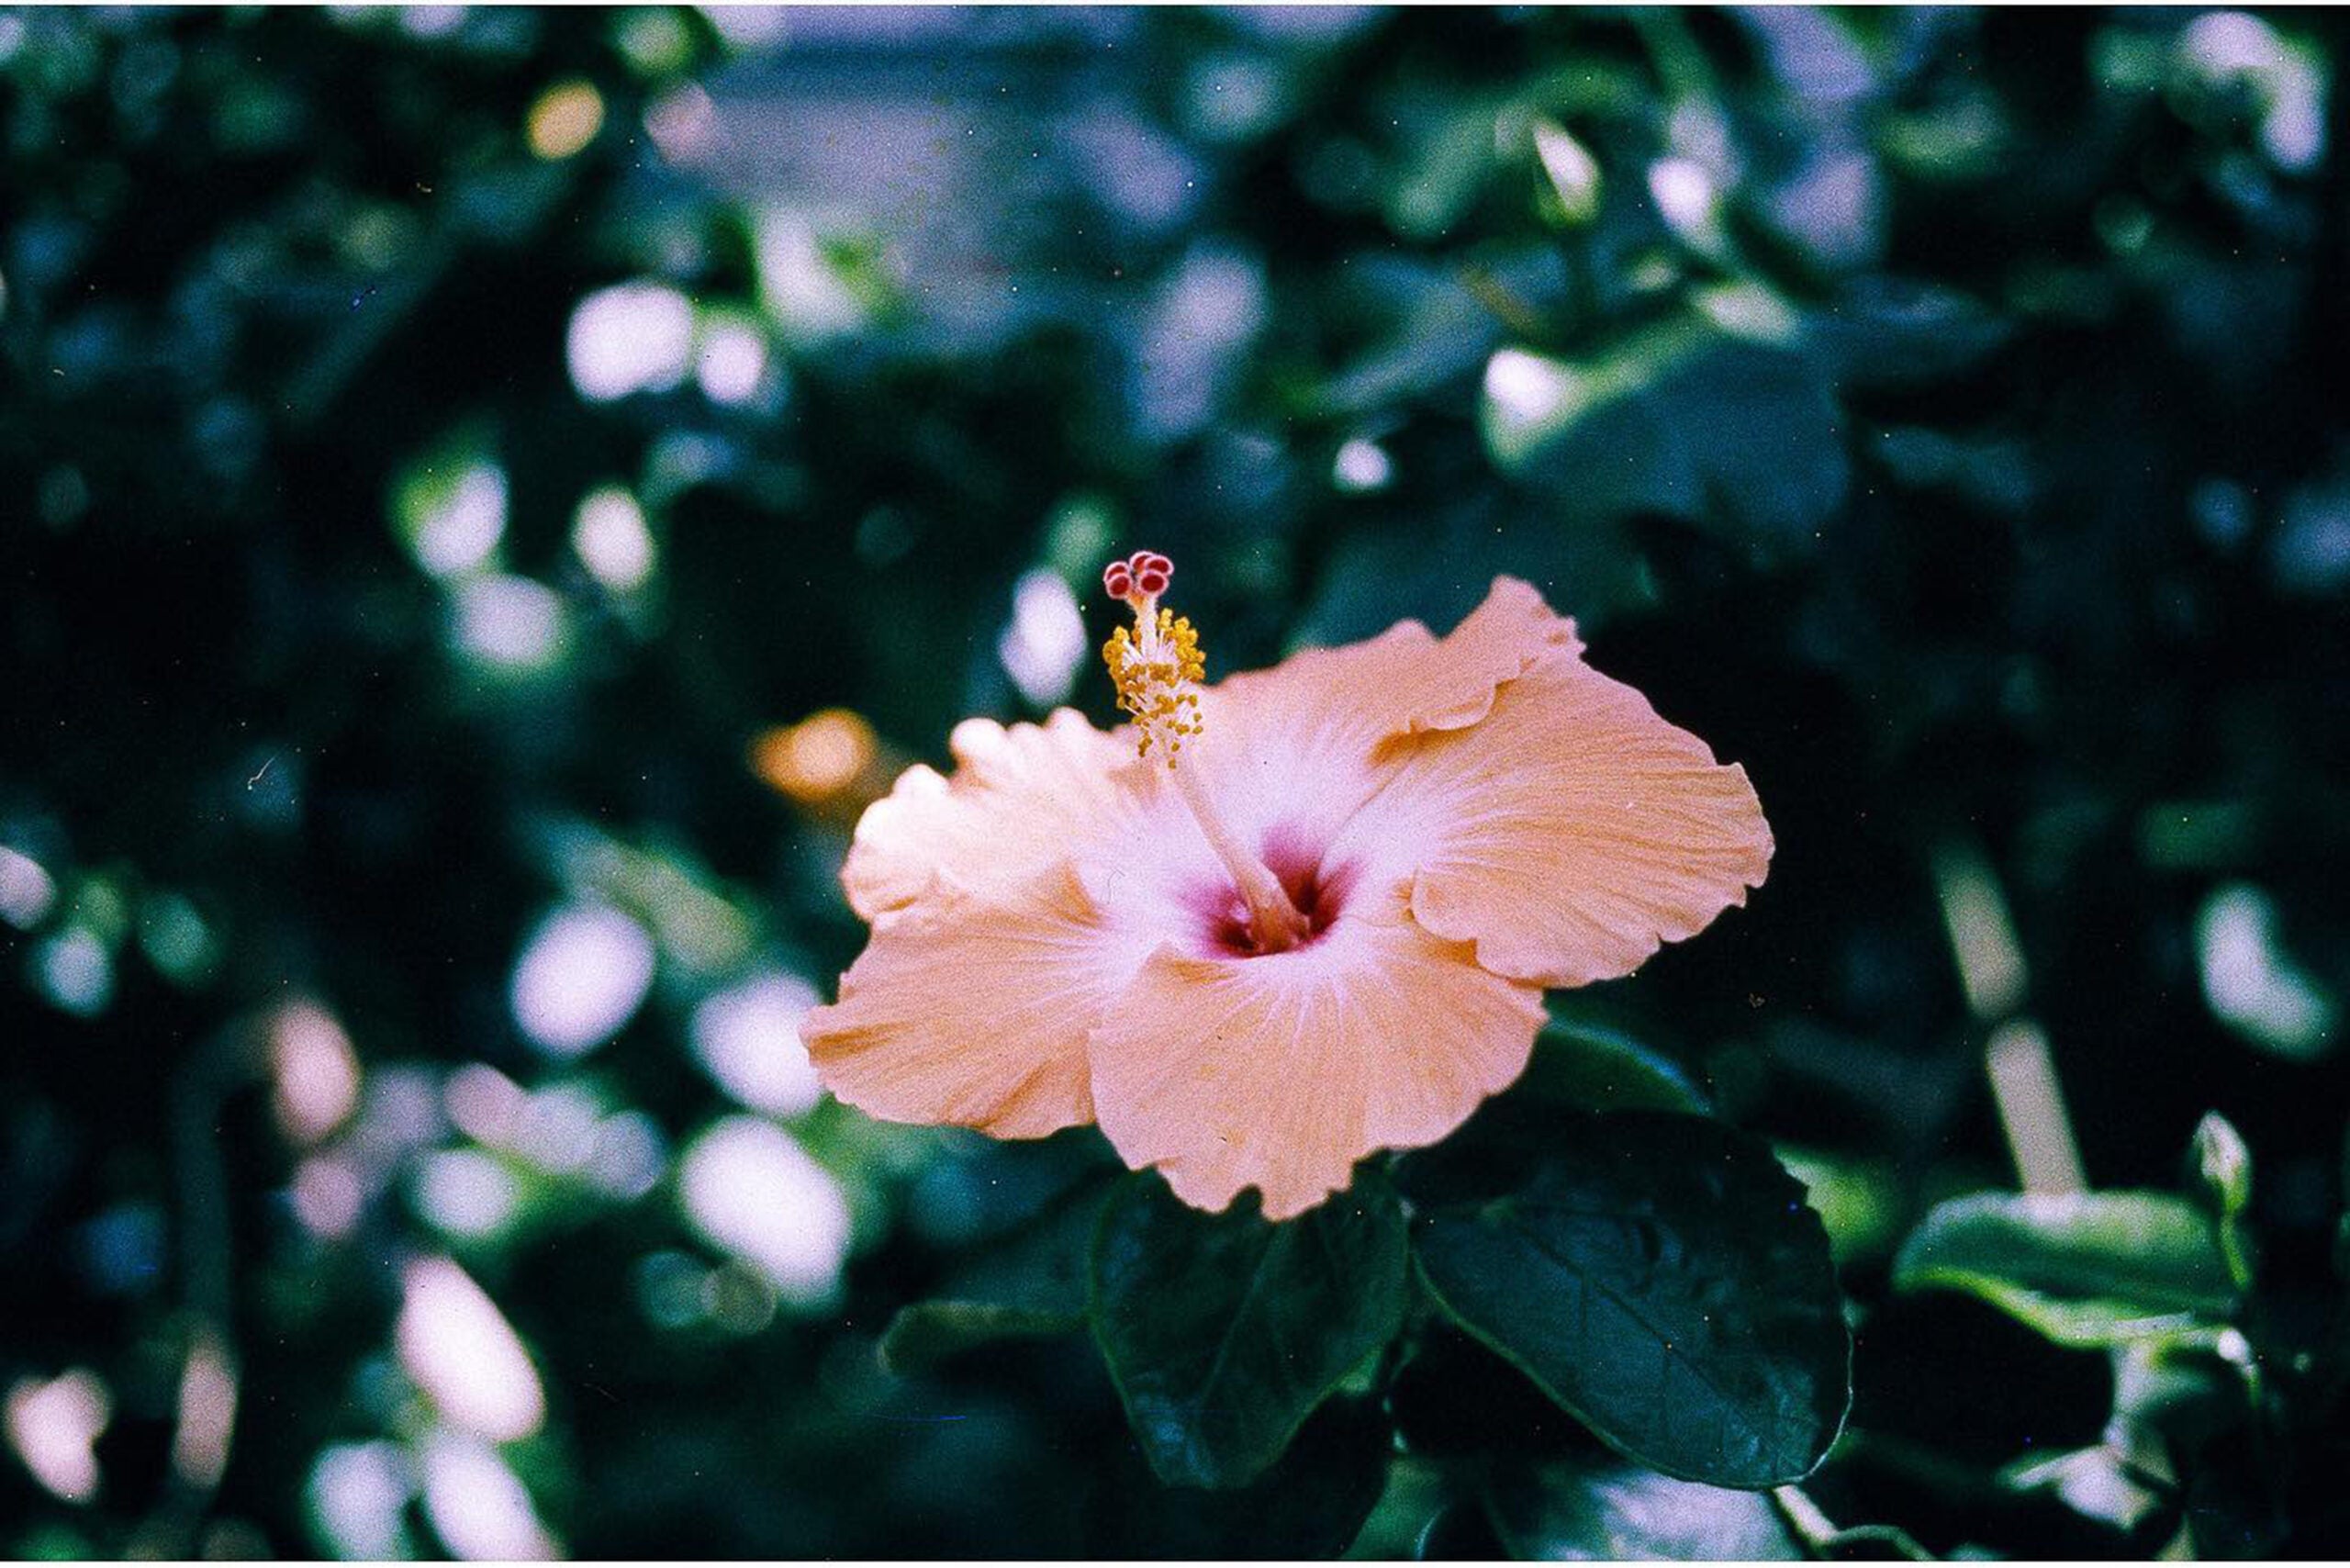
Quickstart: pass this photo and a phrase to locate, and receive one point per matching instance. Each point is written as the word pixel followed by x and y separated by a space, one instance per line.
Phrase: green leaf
pixel 1660 1276
pixel 931 1331
pixel 1437 568
pixel 1222 1332
pixel 1031 1283
pixel 1605 1070
pixel 1860 1200
pixel 2084 1269
pixel 1715 414
pixel 1453 1397
pixel 1890 332
pixel 1569 1514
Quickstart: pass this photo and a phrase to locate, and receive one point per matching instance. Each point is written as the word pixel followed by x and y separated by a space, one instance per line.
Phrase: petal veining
pixel 1288 749
pixel 1570 833
pixel 1281 1071
pixel 1021 799
pixel 973 1010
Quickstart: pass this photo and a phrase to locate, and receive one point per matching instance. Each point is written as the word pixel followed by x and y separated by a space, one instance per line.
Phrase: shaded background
pixel 484 496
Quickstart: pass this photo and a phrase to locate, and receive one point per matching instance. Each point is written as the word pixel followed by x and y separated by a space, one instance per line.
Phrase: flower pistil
pixel 1156 667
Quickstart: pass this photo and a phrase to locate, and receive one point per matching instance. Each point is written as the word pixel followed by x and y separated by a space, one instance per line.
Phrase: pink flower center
pixel 1317 892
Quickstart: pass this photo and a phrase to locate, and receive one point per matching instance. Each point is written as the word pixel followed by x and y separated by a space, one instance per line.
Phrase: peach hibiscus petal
pixel 973 1010
pixel 1404 680
pixel 1021 799
pixel 1281 1071
pixel 1571 833
pixel 1288 749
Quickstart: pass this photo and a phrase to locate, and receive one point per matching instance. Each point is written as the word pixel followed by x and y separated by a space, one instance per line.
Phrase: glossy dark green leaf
pixel 2085 1269
pixel 1454 1398
pixel 1565 1513
pixel 1222 1332
pixel 1660 1276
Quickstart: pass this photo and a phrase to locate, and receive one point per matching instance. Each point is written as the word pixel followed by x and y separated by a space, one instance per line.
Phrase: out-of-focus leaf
pixel 1460 1532
pixel 1566 1513
pixel 2183 1390
pixel 1583 565
pixel 1311 1504
pixel 1894 332
pixel 2085 1269
pixel 1029 1284
pixel 1606 1069
pixel 1222 1332
pixel 931 1331
pixel 2094 1482
pixel 1714 414
pixel 1660 1276
pixel 1430 327
pixel 1443 173
pixel 1859 1200
pixel 1571 171
pixel 2255 986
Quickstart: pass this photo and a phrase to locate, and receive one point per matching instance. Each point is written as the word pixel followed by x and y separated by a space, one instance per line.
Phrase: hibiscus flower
pixel 1274 924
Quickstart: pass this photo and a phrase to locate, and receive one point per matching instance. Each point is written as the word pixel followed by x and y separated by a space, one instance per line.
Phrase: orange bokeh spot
pixel 818 758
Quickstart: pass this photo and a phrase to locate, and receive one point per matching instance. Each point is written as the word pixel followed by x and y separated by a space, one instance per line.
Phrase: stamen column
pixel 1155 668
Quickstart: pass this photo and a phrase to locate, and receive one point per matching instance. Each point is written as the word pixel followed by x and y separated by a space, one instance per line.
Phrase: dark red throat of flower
pixel 1317 892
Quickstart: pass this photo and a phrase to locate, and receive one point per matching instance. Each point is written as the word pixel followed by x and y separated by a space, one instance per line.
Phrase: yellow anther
pixel 1155 668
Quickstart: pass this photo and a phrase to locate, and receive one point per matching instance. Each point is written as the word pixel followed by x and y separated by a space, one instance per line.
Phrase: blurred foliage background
pixel 486 496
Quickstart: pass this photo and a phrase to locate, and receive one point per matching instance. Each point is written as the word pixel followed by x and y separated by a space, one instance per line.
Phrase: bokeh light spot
pixel 466 1192
pixel 316 1071
pixel 455 523
pixel 477 1505
pixel 798 282
pixel 509 622
pixel 208 1411
pixel 357 1492
pixel 731 363
pixel 76 971
pixel 631 337
pixel 54 1426
pixel 609 534
pixel 1361 467
pixel 818 757
pixel 458 1347
pixel 327 1196
pixel 581 976
pixel 566 119
pixel 27 891
pixel 747 1038
pixel 1046 642
pixel 2253 985
pixel 754 1192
